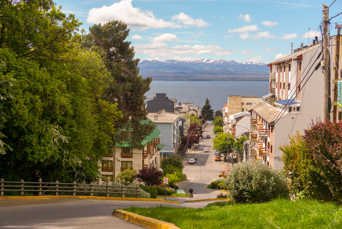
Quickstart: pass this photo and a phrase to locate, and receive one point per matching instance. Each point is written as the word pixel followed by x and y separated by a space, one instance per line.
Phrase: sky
pixel 240 30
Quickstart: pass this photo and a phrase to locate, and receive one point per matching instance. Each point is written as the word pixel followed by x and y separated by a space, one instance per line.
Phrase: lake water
pixel 216 91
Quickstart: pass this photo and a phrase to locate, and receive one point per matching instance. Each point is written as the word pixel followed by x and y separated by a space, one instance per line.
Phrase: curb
pixel 207 199
pixel 81 197
pixel 144 221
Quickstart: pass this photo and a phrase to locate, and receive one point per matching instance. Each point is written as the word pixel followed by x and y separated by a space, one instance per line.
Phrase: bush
pixel 152 190
pixel 222 195
pixel 217 184
pixel 170 169
pixel 218 129
pixel 150 176
pixel 161 191
pixel 169 163
pixel 174 178
pixel 255 182
pixel 127 175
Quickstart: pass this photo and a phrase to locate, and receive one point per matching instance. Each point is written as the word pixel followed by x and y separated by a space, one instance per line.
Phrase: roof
pixel 149 138
pixel 294 55
pixel 287 102
pixel 240 114
pixel 267 111
pixel 268 95
pixel 159 146
pixel 163 117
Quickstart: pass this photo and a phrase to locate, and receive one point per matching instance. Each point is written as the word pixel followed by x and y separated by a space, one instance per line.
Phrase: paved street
pixel 205 171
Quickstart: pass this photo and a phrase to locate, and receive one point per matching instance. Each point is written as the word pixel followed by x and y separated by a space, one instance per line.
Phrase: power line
pixel 335 16
pixel 332 3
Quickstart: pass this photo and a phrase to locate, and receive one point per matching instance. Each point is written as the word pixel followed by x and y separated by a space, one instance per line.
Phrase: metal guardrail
pixel 56 188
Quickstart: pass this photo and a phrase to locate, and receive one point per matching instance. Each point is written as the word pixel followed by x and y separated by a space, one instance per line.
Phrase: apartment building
pixel 188 108
pixel 168 124
pixel 296 81
pixel 124 156
pixel 238 103
pixel 160 102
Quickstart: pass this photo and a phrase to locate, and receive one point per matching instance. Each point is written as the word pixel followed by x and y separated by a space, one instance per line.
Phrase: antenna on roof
pixel 291 47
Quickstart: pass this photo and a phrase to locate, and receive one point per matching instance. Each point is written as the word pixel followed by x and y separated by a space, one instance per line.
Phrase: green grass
pixel 278 213
pixel 180 195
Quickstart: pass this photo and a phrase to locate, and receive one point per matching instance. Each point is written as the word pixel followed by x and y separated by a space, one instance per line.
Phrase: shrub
pixel 150 176
pixel 217 184
pixel 222 195
pixel 255 182
pixel 174 178
pixel 170 169
pixel 220 203
pixel 127 175
pixel 161 191
pixel 152 190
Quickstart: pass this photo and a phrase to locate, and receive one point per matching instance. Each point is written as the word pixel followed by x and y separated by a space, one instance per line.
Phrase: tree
pixel 195 119
pixel 207 113
pixel 172 160
pixel 126 86
pixel 238 144
pixel 218 114
pixel 224 143
pixel 127 175
pixel 150 176
pixel 218 129
pixel 218 121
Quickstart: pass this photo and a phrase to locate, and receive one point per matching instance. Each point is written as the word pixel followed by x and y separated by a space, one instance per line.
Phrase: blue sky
pixel 243 30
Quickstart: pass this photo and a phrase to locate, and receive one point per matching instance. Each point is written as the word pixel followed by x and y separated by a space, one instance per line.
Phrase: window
pixel 279 85
pixel 289 67
pixel 126 152
pixel 300 66
pixel 107 166
pixel 248 104
pixel 104 177
pixel 242 109
pixel 288 86
pixel 242 103
pixel 271 148
pixel 290 109
pixel 284 85
pixel 126 165
pixel 298 108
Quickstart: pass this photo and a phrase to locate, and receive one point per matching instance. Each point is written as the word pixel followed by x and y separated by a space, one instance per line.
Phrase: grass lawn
pixel 278 213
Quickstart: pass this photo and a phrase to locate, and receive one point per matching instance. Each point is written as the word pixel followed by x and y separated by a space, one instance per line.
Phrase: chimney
pixel 301 45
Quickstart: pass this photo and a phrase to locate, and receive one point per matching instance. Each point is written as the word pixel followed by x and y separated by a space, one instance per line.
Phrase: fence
pixel 56 188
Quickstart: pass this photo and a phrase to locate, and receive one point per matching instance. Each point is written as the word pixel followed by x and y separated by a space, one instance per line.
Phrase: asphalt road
pixel 205 171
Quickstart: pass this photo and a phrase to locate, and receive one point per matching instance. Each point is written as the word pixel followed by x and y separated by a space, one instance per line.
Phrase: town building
pixel 124 156
pixel 188 108
pixel 296 82
pixel 238 103
pixel 160 102
pixel 168 124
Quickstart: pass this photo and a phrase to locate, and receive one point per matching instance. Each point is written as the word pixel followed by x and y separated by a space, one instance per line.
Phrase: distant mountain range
pixel 205 69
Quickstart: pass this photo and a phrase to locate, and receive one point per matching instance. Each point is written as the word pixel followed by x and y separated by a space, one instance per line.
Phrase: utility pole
pixel 326 57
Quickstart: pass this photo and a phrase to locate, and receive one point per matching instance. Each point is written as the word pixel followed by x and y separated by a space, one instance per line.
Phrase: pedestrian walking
pixel 196 160
pixel 35 178
pixel 191 191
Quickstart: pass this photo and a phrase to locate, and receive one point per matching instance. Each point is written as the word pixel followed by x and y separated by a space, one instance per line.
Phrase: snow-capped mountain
pixel 205 69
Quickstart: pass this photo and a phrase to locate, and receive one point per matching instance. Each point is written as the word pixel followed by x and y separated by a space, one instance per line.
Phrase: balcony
pixel 144 155
pixel 263 151
pixel 273 76
pixel 124 168
pixel 107 169
pixel 145 166
pixel 127 155
pixel 262 131
pixel 254 121
pixel 254 137
pixel 273 90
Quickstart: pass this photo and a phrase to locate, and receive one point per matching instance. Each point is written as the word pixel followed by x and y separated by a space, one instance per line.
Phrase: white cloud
pixel 288 36
pixel 246 17
pixel 243 29
pixel 312 35
pixel 162 49
pixel 136 17
pixel 185 58
pixel 164 37
pixel 264 34
pixel 244 36
pixel 255 59
pixel 269 23
pixel 227 36
pixel 278 56
pixel 136 37
pixel 248 51
pixel 188 21
pixel 270 49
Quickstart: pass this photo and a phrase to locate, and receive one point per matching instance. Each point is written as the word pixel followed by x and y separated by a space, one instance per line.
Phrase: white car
pixel 196 145
pixel 191 161
pixel 206 149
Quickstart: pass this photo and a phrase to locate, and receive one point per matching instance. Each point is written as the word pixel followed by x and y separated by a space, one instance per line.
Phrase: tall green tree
pixel 218 114
pixel 207 113
pixel 126 86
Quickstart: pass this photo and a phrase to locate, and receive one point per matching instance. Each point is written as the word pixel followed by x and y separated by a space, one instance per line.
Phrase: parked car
pixel 191 161
pixel 208 136
pixel 217 158
pixel 217 153
pixel 206 149
pixel 196 145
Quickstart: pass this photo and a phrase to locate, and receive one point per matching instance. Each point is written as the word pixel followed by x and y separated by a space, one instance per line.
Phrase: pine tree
pixel 126 87
pixel 207 113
